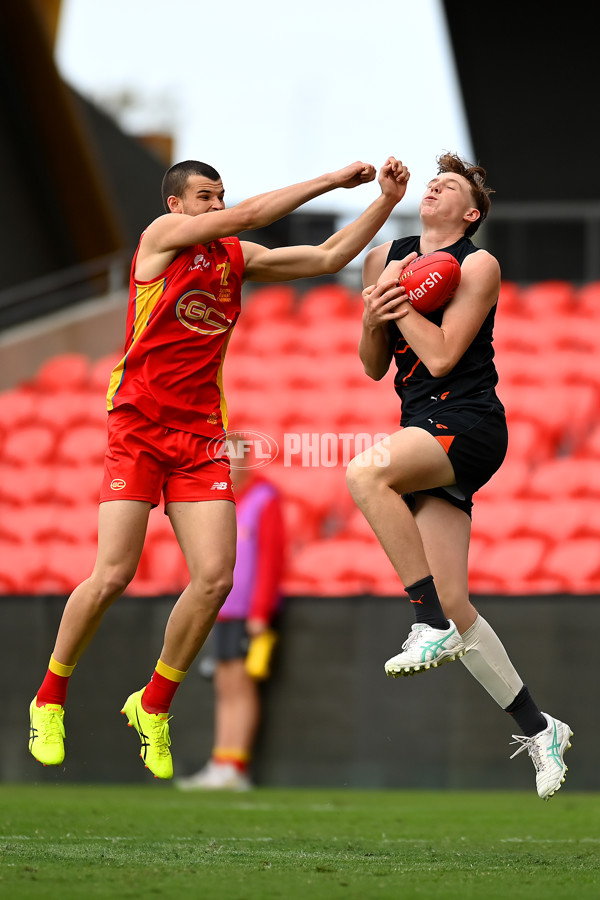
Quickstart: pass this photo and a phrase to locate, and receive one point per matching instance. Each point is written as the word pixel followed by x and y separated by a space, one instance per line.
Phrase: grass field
pixel 75 843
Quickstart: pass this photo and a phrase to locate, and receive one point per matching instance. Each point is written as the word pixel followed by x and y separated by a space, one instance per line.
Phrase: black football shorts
pixel 476 442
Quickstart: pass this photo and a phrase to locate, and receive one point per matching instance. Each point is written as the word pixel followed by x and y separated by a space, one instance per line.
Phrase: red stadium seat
pixel 99 373
pixel 297 370
pixel 588 300
pixel 344 371
pixel 575 564
pixel 74 524
pixel 82 446
pixel 561 413
pixel 590 516
pixel 272 337
pixel 304 409
pixel 511 566
pixel 23 485
pixel 75 485
pixel 61 566
pixel 10 531
pixel 528 442
pixel 159 526
pixel 66 409
pixel 548 298
pixel 162 569
pixel 566 477
pixel 66 371
pixel 510 301
pixel 555 518
pixel 327 302
pixel 17 408
pixel 590 444
pixel 302 522
pixel 573 367
pixel 268 304
pixel 335 567
pixel 495 520
pixel 321 488
pixel 356 527
pixel 330 337
pixel 520 367
pixel 248 371
pixel 516 332
pixel 27 525
pixel 478 546
pixel 17 563
pixel 29 444
pixel 575 332
pixel 46 523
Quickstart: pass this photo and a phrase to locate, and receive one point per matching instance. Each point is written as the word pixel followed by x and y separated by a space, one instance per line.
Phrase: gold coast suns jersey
pixel 178 328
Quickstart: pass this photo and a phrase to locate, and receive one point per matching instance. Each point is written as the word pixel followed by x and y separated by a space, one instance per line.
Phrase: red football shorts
pixel 145 459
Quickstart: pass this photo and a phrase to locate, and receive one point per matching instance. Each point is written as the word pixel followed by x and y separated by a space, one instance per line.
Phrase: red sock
pixel 54 686
pixel 160 690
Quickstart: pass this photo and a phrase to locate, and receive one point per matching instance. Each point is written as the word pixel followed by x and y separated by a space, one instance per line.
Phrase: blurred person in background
pixel 243 638
pixel 165 405
pixel 453 438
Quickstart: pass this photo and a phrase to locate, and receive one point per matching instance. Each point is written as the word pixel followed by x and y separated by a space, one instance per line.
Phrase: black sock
pixel 526 714
pixel 428 610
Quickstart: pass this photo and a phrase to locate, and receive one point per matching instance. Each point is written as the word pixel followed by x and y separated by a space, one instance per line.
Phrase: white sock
pixel 488 662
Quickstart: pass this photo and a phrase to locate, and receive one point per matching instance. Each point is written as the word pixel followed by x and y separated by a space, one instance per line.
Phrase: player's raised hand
pixel 355 174
pixel 393 178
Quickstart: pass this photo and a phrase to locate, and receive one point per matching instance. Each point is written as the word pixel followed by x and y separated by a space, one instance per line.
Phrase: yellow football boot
pixel 47 733
pixel 153 729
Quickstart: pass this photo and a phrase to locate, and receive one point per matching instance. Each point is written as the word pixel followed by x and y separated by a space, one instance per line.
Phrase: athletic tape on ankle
pixel 167 672
pixel 58 669
pixel 230 754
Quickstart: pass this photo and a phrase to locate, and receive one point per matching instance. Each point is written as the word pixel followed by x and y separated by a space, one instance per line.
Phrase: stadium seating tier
pixel 293 372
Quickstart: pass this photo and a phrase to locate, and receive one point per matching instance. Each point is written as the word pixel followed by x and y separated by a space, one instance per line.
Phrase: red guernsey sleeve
pixel 270 562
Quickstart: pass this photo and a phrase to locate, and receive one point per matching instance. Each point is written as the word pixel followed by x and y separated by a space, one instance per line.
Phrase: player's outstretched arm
pixel 173 232
pixel 287 263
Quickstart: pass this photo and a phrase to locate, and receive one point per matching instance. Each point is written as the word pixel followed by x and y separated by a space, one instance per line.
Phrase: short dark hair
pixel 475 175
pixel 176 178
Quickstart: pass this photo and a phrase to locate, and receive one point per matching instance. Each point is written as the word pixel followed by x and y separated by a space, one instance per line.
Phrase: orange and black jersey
pixel 473 380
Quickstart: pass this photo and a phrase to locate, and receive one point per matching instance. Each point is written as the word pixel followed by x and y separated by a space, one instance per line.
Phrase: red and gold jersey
pixel 178 328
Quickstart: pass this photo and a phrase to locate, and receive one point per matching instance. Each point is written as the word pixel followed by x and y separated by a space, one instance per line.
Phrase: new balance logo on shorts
pixel 219 486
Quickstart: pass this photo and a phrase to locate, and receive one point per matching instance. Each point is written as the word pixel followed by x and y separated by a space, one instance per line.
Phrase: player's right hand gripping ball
pixel 431 280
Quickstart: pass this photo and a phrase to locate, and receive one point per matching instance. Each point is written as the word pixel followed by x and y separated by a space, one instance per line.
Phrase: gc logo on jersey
pixel 198 315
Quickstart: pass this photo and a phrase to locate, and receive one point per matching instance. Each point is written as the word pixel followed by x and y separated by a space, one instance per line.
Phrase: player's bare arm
pixel 440 347
pixel 287 263
pixel 187 224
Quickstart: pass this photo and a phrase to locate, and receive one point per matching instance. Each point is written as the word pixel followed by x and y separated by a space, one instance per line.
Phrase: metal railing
pixel 66 287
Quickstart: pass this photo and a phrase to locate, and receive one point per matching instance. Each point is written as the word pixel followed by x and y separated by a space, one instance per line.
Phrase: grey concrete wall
pixel 331 715
pixel 95 328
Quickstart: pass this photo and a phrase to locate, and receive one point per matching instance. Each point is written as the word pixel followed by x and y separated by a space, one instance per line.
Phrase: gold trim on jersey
pixel 224 415
pixel 146 299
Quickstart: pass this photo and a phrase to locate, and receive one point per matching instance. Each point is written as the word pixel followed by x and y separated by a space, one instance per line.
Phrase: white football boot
pixel 425 648
pixel 215 777
pixel 546 750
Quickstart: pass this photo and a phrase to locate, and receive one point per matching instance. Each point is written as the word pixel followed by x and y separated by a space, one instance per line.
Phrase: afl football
pixel 431 280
